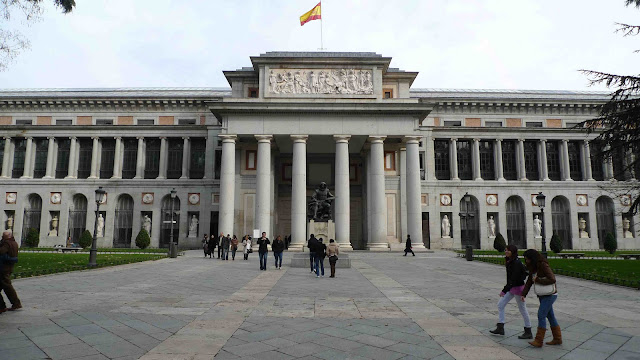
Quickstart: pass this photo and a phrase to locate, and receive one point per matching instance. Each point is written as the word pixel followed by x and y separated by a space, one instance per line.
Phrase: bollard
pixel 469 253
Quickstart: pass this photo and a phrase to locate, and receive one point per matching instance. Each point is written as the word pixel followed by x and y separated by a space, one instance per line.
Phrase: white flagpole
pixel 321 43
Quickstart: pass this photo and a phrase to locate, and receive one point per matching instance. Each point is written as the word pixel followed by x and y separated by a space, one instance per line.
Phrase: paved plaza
pixel 431 306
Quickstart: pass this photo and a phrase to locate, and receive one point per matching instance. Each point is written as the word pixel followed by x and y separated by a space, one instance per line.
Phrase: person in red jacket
pixel 9 256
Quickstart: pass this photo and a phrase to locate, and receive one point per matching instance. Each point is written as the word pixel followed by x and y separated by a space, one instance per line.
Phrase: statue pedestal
pixel 584 235
pixel 442 243
pixel 537 242
pixel 325 230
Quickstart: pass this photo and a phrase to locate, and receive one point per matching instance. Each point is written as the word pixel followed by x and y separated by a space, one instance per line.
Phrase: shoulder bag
pixel 544 290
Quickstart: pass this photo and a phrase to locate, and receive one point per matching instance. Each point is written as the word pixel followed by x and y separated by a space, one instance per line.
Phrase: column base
pixel 47 177
pixel 183 178
pixel 418 246
pixel 116 178
pixel 25 177
pixel 161 178
pixel 92 177
pixel 502 179
pixel 70 177
pixel 478 179
pixel 345 246
pixel 298 248
pixel 546 179
pixel 378 247
pixel 568 179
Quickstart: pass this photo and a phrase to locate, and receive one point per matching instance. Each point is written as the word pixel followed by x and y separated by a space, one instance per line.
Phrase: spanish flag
pixel 312 14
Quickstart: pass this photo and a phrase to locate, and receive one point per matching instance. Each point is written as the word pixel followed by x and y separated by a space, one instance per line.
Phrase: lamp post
pixel 93 253
pixel 540 199
pixel 466 215
pixel 172 249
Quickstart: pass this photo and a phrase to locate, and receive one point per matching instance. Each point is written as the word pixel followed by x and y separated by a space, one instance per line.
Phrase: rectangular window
pixel 186 121
pixel 18 158
pixel 251 158
pixel 422 168
pixel 453 123
pixel 531 160
pixel 253 92
pixel 84 160
pixel 104 121
pixel 198 151
pixel 388 93
pixel 152 159
pixel 24 122
pixel 146 122
pixel 575 161
pixel 129 158
pixel 442 163
pixel 553 160
pixel 40 167
pixel 533 124
pixel 465 172
pixel 619 171
pixel 174 162
pixel 509 160
pixel 106 160
pixel 597 161
pixel 64 122
pixel 62 166
pixel 493 124
pixel 389 160
pixel 218 163
pixel 487 168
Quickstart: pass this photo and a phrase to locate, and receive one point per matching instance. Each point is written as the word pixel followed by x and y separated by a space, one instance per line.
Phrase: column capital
pixel 264 138
pixel 377 139
pixel 73 138
pixel 227 138
pixel 299 138
pixel 476 139
pixel 521 140
pixel 403 148
pixel 7 137
pixel 29 138
pixel 117 137
pixel 565 140
pixel 412 139
pixel 51 137
pixel 342 138
pixel 140 137
pixel 453 139
pixel 186 138
pixel 586 141
pixel 95 137
pixel 163 138
pixel 544 141
pixel 499 140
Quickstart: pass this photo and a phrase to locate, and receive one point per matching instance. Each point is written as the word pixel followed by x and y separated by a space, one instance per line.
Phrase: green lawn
pixel 620 272
pixel 113 250
pixel 33 264
pixel 551 253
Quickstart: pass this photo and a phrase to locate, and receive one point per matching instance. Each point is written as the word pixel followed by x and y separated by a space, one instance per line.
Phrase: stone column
pixel 378 199
pixel 544 168
pixel 140 159
pixel 586 160
pixel 5 160
pixel 476 160
pixel 608 166
pixel 50 156
pixel 299 193
pixel 162 174
pixel 414 192
pixel 95 153
pixel 263 182
pixel 343 194
pixel 566 170
pixel 403 193
pixel 27 159
pixel 71 173
pixel 227 184
pixel 453 153
pixel 117 168
pixel 185 158
pixel 429 161
pixel 498 158
pixel 522 169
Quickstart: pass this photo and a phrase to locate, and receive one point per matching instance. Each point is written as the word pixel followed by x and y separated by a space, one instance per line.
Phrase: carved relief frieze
pixel 320 81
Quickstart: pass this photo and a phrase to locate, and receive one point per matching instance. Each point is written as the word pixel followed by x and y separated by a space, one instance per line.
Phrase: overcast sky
pixel 479 44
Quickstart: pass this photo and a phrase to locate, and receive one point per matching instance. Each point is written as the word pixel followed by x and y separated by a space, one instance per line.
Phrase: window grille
pixel 64 122
pixel 24 122
pixel 123 222
pixel 62 166
pixel 604 218
pixel 197 161
pixel 77 217
pixel 186 121
pixel 130 158
pixel 597 160
pixel 146 122
pixel 18 158
pixel 32 214
pixel 104 121
pixel 533 124
pixel 442 162
pixel 509 160
pixel 561 220
pixel 531 160
pixel 218 163
pixel 487 168
pixel 553 160
pixel 516 222
pixel 493 124
pixel 152 159
pixel 453 123
pixel 465 171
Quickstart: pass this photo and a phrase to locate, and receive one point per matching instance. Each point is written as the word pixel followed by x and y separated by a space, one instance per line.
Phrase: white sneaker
pixel 322 275
pixel 317 276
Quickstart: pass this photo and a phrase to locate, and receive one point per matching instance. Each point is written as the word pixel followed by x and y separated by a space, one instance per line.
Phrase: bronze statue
pixel 320 205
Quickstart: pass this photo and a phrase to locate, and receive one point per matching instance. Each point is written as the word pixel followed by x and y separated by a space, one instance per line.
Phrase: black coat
pixel 312 244
pixel 321 249
pixel 262 245
pixel 277 246
pixel 516 274
pixel 408 245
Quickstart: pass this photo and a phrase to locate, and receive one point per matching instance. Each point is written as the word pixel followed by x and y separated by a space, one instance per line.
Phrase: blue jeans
pixel 545 311
pixel 225 254
pixel 312 257
pixel 278 256
pixel 263 260
pixel 319 264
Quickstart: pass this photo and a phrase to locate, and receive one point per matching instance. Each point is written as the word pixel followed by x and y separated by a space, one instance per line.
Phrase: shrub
pixel 610 243
pixel 499 244
pixel 556 244
pixel 33 238
pixel 143 240
pixel 85 239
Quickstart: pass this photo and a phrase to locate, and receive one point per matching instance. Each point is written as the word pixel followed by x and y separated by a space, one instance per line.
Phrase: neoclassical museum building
pixel 450 168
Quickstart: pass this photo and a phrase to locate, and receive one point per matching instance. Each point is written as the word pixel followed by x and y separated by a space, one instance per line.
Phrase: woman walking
pixel 234 247
pixel 332 252
pixel 246 244
pixel 544 282
pixel 205 245
pixel 278 248
pixel 408 248
pixel 516 274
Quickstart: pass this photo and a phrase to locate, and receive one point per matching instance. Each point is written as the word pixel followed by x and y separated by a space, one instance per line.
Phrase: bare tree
pixel 12 42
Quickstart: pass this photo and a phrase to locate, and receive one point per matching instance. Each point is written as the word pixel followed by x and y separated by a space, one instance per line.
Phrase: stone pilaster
pixel 378 202
pixel 453 153
pixel 414 192
pixel 342 210
pixel 263 182
pixel 227 184
pixel 140 159
pixel 299 193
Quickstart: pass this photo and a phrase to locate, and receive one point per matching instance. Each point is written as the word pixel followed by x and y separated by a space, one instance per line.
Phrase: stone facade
pixel 249 156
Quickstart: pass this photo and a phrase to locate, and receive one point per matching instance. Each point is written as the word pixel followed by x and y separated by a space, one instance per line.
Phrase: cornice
pixel 109 104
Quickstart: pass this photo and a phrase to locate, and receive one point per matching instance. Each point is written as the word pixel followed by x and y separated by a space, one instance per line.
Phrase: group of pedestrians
pixel 536 273
pixel 225 245
pixel 318 251
pixel 228 244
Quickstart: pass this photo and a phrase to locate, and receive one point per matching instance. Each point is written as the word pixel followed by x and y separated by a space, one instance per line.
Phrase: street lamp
pixel 466 215
pixel 540 199
pixel 172 250
pixel 93 253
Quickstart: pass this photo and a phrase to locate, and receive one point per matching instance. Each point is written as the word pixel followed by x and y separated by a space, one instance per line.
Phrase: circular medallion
pixel 581 200
pixel 625 200
pixel 445 199
pixel 147 198
pixel 56 198
pixel 194 199
pixel 492 199
pixel 11 198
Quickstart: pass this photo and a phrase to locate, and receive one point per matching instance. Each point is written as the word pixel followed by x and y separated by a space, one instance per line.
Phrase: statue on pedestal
pixel 446 227
pixel 537 227
pixel 100 229
pixel 320 205
pixel 193 227
pixel 626 226
pixel 491 227
pixel 582 228
pixel 146 223
pixel 54 227
pixel 10 223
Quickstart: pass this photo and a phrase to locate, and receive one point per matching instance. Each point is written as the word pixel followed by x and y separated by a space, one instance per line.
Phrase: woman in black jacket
pixel 278 248
pixel 516 275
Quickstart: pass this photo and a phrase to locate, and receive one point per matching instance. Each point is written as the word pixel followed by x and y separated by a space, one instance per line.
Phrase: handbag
pixel 544 290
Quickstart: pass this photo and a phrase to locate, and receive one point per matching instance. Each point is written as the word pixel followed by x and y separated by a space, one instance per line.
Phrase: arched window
pixel 32 214
pixel 561 220
pixel 604 218
pixel 516 227
pixel 165 233
pixel 469 223
pixel 77 217
pixel 123 222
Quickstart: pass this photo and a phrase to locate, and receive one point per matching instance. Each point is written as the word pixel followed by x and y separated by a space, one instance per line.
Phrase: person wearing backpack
pixel 8 258
pixel 516 274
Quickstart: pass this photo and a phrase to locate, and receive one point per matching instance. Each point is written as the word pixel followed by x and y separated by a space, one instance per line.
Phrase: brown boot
pixel 557 336
pixel 538 341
